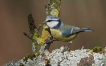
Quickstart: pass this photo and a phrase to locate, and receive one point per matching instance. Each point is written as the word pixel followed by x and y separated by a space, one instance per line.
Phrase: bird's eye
pixel 49 20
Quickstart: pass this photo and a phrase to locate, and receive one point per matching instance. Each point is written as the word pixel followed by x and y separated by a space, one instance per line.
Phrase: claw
pixel 48 43
pixel 67 48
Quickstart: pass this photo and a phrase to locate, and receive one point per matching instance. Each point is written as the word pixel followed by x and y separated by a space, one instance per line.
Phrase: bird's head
pixel 53 22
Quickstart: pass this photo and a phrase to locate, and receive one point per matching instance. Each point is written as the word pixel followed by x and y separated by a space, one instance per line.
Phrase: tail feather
pixel 87 30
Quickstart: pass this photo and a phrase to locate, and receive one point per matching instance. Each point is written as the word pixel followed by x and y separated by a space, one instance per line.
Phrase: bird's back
pixel 68 30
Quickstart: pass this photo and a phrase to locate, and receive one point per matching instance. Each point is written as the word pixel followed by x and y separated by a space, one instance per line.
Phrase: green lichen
pixel 53 8
pixel 97 49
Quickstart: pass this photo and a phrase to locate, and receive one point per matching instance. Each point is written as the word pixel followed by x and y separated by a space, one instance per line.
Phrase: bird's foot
pixel 67 48
pixel 48 43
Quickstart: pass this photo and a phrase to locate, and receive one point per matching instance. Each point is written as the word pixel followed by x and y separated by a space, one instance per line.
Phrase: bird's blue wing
pixel 67 30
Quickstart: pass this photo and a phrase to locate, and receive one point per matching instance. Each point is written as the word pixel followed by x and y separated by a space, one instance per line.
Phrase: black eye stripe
pixel 51 20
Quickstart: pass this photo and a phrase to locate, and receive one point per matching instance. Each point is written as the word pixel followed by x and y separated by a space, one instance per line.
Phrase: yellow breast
pixel 58 35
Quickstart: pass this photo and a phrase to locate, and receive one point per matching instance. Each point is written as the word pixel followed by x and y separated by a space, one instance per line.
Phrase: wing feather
pixel 68 30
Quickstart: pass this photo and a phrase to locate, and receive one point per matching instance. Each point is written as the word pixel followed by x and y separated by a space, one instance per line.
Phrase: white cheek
pixel 52 24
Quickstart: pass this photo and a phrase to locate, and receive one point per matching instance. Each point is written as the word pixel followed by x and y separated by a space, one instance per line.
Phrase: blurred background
pixel 82 13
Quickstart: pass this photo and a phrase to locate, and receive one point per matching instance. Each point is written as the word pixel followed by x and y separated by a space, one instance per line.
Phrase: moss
pixel 97 49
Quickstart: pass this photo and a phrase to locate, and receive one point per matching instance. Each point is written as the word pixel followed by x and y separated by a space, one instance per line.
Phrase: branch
pixel 80 57
pixel 53 8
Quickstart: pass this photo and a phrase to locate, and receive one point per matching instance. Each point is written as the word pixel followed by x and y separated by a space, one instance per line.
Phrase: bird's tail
pixel 87 30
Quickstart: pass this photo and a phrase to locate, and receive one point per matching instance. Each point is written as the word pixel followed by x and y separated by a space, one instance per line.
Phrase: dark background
pixel 82 13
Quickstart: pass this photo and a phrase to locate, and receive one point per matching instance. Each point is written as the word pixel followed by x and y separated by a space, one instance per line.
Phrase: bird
pixel 61 31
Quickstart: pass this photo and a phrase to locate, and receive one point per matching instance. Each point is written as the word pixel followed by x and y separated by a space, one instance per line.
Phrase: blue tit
pixel 61 31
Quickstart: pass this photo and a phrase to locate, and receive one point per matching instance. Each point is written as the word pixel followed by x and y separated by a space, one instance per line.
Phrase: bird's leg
pixel 48 43
pixel 70 42
pixel 67 48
